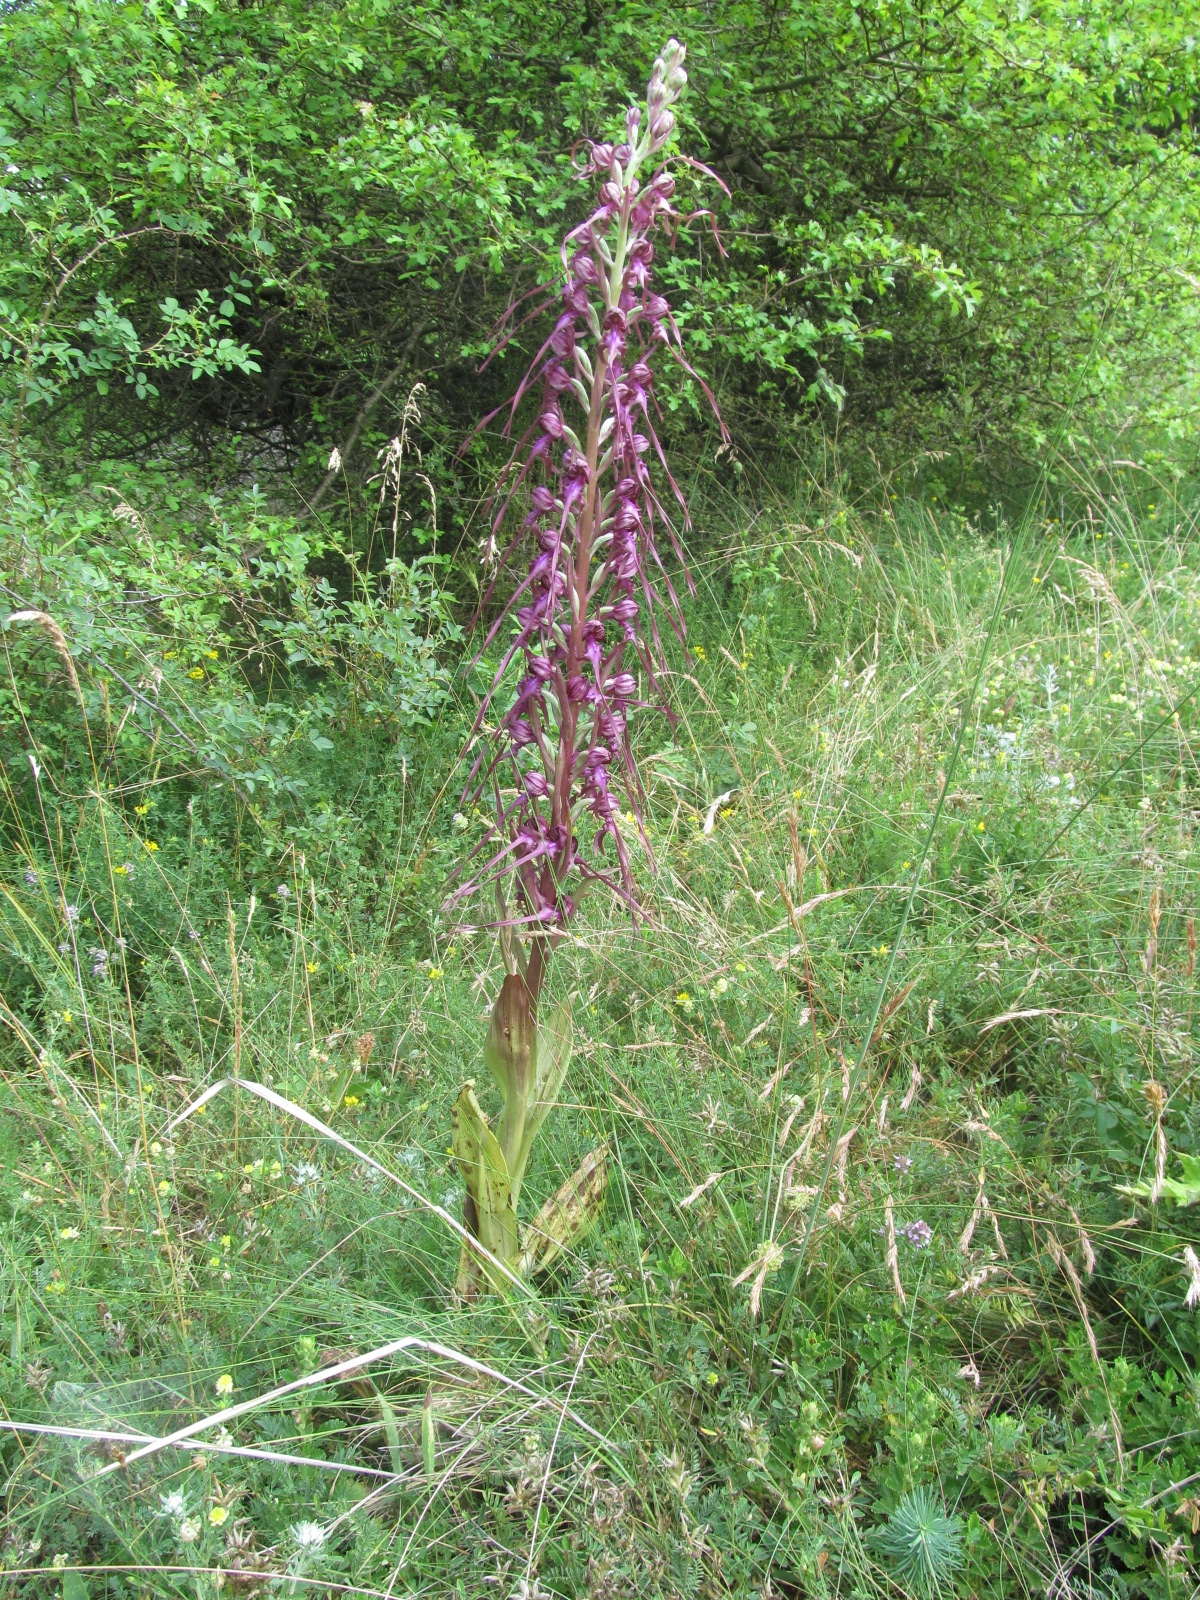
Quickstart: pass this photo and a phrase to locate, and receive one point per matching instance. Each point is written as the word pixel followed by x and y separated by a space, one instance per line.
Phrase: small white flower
pixel 305 1173
pixel 335 460
pixel 308 1535
pixel 173 1504
pixel 189 1530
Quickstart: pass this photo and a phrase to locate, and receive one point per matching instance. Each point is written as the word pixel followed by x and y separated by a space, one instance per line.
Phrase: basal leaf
pixel 568 1215
pixel 485 1174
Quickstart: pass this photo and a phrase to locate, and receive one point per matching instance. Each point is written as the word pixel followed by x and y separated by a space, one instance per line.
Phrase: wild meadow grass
pixel 867 1311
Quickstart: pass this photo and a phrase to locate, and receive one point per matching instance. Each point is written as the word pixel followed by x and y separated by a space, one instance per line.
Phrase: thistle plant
pixel 581 629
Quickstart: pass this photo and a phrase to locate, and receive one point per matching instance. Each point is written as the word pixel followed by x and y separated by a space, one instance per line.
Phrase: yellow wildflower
pixel 224 1384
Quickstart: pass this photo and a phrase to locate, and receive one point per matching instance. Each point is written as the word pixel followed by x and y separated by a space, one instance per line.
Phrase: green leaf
pixel 554 1044
pixel 1183 1191
pixel 510 1051
pixel 485 1174
pixel 392 1433
pixel 568 1215
pixel 428 1438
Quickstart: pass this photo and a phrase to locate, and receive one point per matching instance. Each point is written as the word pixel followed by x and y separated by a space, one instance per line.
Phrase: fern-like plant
pixel 921 1544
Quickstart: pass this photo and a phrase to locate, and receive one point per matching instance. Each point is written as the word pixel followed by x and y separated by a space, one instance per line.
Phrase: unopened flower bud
pixel 661 129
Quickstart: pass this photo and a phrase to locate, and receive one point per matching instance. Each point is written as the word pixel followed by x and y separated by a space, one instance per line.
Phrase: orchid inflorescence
pixel 585 611
pixel 585 631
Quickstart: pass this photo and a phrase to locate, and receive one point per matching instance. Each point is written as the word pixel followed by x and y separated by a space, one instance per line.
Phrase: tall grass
pixel 837 1333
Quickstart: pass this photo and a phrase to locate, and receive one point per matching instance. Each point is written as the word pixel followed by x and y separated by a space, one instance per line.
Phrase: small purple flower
pixel 72 914
pixel 902 1163
pixel 918 1233
pixel 64 949
pixel 31 878
pixel 99 962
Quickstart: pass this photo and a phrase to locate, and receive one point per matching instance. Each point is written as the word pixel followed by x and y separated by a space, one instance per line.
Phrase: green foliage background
pixel 250 217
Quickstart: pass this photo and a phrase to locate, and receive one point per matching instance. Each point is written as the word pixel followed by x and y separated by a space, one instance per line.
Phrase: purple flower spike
pixel 584 612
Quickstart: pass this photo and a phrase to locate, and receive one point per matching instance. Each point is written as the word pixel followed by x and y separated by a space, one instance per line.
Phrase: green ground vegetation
pixel 888 1296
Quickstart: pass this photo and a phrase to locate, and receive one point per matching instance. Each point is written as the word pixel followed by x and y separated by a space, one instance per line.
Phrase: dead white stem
pixel 248 1086
pixel 326 1374
pixel 893 1255
pixel 103 1436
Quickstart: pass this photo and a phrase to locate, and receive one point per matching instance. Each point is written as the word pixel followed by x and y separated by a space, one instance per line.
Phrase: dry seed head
pixel 1192 1262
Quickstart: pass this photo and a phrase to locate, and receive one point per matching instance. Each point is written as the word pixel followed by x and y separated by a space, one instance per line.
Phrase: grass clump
pixel 867 1310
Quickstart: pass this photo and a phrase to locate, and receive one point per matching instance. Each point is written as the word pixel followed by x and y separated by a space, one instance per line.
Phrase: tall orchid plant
pixel 585 633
